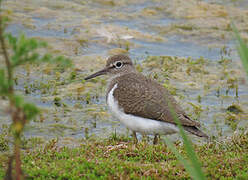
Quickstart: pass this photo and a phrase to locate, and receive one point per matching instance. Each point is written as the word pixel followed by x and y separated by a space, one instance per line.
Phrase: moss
pixel 106 2
pixel 57 101
pixel 234 108
pixel 118 158
pixel 33 142
pixel 232 120
pixel 118 51
pixel 82 42
pixel 186 27
pixel 4 145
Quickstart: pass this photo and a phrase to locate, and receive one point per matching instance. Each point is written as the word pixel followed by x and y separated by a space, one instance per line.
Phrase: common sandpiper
pixel 142 104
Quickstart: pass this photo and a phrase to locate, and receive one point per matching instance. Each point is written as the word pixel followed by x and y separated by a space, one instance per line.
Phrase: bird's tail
pixel 194 130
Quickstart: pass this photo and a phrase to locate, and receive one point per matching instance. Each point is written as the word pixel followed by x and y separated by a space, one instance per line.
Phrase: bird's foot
pixel 156 139
pixel 135 139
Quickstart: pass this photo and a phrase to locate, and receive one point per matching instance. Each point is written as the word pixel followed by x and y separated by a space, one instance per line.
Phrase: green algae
pixel 205 80
pixel 234 108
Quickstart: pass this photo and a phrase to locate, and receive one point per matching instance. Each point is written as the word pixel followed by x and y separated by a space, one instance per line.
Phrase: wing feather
pixel 149 99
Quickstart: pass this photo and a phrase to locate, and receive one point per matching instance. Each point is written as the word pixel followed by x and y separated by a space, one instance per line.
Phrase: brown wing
pixel 149 99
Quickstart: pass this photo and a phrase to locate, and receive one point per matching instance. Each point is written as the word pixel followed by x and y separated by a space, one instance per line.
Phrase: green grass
pixel 109 159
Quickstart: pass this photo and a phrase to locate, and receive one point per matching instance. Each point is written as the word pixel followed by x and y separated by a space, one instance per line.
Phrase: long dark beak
pixel 99 73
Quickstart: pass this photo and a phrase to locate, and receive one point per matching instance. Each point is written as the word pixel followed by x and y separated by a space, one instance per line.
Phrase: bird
pixel 142 104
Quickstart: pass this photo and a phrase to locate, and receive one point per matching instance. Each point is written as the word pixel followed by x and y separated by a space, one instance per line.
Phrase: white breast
pixel 139 124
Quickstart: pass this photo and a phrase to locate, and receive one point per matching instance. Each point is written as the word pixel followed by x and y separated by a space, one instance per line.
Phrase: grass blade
pixel 192 165
pixel 184 161
pixel 242 48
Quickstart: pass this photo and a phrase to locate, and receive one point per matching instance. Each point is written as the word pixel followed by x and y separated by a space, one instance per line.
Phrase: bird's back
pixel 146 98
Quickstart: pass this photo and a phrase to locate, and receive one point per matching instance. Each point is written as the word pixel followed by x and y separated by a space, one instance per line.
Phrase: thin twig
pixel 8 175
pixel 5 53
pixel 14 114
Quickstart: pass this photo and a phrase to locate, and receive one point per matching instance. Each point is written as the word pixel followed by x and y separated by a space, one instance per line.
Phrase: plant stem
pixel 14 112
pixel 17 159
pixel 5 54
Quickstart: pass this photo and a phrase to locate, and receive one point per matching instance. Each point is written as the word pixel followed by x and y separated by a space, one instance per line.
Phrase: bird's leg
pixel 135 139
pixel 156 139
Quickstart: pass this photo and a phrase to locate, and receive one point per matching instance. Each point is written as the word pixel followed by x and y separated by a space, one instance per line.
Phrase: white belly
pixel 139 124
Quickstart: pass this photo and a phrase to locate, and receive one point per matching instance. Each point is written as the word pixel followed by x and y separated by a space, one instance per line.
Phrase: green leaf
pixel 60 60
pixel 30 111
pixel 25 51
pixel 193 166
pixel 65 62
pixel 17 100
pixel 185 162
pixel 242 49
pixel 12 40
pixel 4 85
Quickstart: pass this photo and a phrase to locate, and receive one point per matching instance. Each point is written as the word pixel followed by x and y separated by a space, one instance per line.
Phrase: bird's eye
pixel 118 64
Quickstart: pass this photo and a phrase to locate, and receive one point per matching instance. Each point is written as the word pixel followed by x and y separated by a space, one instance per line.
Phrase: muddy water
pixel 89 31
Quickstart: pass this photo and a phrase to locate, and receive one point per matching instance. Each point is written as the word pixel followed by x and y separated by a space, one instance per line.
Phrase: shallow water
pixel 85 31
